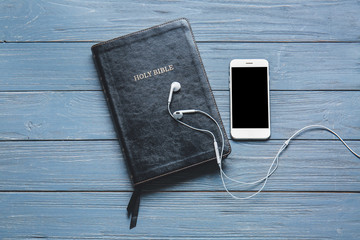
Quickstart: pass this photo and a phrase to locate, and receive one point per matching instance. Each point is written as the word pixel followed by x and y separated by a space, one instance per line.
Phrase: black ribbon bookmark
pixel 133 207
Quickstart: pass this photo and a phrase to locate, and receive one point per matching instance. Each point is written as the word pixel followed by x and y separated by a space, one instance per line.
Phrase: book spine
pixel 113 113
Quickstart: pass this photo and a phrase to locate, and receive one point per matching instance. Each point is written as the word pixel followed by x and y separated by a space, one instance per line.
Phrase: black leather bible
pixel 136 71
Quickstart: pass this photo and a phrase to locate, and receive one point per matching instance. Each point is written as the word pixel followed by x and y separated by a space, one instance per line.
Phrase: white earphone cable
pixel 275 163
pixel 276 160
pixel 175 86
pixel 189 126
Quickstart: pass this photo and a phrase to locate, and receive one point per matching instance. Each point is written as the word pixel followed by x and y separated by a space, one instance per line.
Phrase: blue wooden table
pixel 62 174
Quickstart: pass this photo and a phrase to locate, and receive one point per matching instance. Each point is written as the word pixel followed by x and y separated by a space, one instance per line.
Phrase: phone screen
pixel 249 97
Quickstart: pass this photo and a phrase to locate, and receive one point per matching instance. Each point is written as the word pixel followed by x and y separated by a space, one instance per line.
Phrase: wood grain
pixel 180 215
pixel 84 114
pixel 309 165
pixel 211 20
pixel 62 175
pixel 293 66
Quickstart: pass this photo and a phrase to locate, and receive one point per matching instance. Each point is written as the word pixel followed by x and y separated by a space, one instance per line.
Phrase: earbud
pixel 180 113
pixel 175 86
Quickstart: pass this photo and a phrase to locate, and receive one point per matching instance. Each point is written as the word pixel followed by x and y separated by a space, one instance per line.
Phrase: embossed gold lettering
pixel 154 72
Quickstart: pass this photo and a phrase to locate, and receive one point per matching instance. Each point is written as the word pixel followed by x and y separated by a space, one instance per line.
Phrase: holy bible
pixel 136 71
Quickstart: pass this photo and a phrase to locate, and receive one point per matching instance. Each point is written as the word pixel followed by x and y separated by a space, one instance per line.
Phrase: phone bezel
pixel 249 133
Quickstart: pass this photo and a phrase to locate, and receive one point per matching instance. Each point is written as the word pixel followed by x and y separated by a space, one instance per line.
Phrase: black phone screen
pixel 249 97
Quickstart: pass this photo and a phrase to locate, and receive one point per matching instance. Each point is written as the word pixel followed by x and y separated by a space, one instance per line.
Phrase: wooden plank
pixel 211 20
pixel 58 66
pixel 180 215
pixel 84 114
pixel 310 66
pixel 293 66
pixel 99 166
pixel 292 110
pixel 54 115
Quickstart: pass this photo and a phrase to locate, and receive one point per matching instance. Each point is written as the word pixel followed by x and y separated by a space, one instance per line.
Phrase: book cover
pixel 136 72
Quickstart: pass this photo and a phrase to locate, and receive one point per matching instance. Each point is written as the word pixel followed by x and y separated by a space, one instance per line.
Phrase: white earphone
pixel 175 86
pixel 180 113
pixel 177 115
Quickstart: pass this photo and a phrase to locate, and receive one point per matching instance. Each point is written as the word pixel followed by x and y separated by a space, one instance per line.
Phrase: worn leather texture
pixel 153 143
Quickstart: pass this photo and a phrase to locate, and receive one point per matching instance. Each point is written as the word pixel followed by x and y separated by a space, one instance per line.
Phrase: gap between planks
pixel 169 191
pixel 211 41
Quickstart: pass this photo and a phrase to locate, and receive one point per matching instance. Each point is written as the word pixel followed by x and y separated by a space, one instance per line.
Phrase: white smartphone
pixel 249 99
